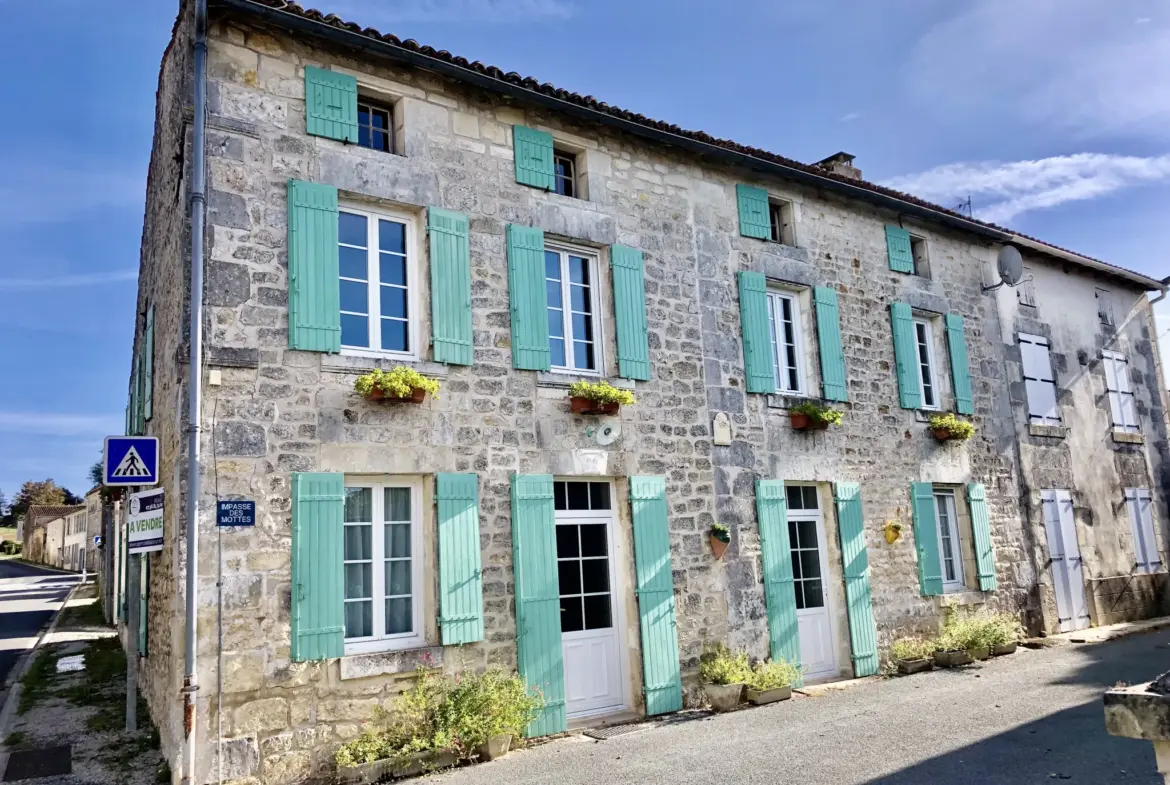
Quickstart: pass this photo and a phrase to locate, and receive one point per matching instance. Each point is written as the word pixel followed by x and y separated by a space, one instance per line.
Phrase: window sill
pixel 348 363
pixel 1127 437
pixel 1050 431
pixel 382 663
pixel 787 400
pixel 556 379
pixel 924 415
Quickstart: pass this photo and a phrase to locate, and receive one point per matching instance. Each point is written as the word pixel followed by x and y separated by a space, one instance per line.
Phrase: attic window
pixel 564 172
pixel 781 217
pixel 920 252
pixel 375 126
pixel 1104 307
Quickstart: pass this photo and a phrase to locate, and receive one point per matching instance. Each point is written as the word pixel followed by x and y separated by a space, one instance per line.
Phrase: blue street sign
pixel 238 513
pixel 130 460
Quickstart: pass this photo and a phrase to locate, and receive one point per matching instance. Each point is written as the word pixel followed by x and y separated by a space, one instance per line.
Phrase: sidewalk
pixel 1102 634
pixel 68 723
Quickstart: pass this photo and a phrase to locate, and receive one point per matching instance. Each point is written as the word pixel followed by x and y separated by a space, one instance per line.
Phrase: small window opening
pixel 375 126
pixel 921 259
pixel 782 218
pixel 565 173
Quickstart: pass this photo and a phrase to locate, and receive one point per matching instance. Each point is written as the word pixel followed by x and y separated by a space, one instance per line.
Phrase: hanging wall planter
pixel 719 537
pixel 398 385
pixel 416 396
pixel 947 427
pixel 812 416
pixel 598 398
pixel 579 405
pixel 893 531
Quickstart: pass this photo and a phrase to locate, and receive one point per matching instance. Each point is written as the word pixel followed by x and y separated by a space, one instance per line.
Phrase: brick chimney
pixel 841 163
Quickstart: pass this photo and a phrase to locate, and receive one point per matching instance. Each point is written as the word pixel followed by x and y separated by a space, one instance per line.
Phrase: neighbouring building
pixel 73 545
pixel 94 511
pixel 44 533
pixel 375 203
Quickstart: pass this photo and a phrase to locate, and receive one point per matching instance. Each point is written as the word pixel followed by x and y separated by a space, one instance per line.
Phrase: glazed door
pixel 810 568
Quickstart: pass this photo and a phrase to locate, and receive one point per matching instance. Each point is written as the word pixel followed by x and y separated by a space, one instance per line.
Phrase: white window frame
pixel 931 362
pixel 380 641
pixel 775 299
pixel 945 506
pixel 921 260
pixel 1122 401
pixel 787 224
pixel 1040 419
pixel 373 282
pixel 591 257
pixel 1141 519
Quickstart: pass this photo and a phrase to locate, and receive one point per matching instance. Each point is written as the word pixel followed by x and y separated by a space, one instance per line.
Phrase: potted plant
pixel 893 531
pixel 813 416
pixel 947 427
pixel 724 674
pixel 598 398
pixel 1004 634
pixel 771 681
pixel 913 655
pixel 719 536
pixel 399 384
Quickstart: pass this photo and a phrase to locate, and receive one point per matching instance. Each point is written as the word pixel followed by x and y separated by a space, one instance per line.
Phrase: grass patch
pixel 15 739
pixel 88 615
pixel 36 681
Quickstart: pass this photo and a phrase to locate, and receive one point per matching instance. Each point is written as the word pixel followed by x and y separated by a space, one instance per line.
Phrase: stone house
pixel 94 512
pixel 375 203
pixel 44 532
pixel 73 542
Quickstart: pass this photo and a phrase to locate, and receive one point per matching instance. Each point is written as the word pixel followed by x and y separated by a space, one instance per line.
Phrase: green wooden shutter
pixel 135 400
pixel 460 577
pixel 759 365
pixel 981 534
pixel 926 538
pixel 450 287
pixel 899 250
pixel 779 594
pixel 855 563
pixel 318 588
pixel 314 298
pixel 833 383
pixel 754 220
pixel 905 355
pixel 533 151
pixel 629 310
pixel 529 298
pixel 331 104
pixel 148 381
pixel 960 367
pixel 661 677
pixel 538 599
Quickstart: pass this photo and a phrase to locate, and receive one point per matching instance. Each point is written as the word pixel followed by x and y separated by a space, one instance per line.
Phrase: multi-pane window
pixel 924 354
pixel 781 218
pixel 787 344
pixel 1039 380
pixel 382 559
pixel 376 282
pixel 1141 518
pixel 586 589
pixel 1121 397
pixel 804 542
pixel 570 283
pixel 375 126
pixel 949 553
pixel 564 173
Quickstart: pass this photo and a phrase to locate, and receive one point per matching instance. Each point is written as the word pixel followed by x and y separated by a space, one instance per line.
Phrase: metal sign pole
pixel 133 608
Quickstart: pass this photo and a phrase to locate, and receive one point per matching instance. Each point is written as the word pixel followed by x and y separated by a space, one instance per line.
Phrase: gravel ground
pixel 1032 717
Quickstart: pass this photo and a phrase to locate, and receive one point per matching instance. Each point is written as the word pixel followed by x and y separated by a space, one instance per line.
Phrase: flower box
pixel 496 747
pixel 396 768
pixel 1000 649
pixel 952 659
pixel 723 697
pixel 943 434
pixel 980 652
pixel 760 697
pixel 418 395
pixel 806 422
pixel 915 666
pixel 580 405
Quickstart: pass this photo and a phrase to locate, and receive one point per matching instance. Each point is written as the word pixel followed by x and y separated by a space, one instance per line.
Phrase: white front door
pixel 590 628
pixel 810 569
pixel 1068 576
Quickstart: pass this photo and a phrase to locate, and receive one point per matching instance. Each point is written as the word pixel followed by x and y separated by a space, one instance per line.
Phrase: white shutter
pixel 1072 555
pixel 1141 519
pixel 1038 379
pixel 1119 391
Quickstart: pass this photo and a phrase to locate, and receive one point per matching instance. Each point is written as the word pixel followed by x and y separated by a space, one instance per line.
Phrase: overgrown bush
pixel 398 382
pixel 601 392
pixel 976 630
pixel 772 674
pixel 720 665
pixel 912 648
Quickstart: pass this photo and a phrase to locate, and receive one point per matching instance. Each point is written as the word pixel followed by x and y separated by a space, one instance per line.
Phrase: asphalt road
pixel 29 596
pixel 1032 717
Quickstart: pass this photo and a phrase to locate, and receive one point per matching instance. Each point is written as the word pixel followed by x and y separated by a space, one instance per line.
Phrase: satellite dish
pixel 1011 265
pixel 608 434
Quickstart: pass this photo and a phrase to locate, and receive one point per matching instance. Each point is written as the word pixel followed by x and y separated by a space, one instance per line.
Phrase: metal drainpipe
pixel 198 209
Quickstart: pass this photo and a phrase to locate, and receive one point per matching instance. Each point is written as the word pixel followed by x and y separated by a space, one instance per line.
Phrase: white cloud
pixel 1003 190
pixel 37 194
pixel 57 424
pixel 66 281
pixel 1075 65
pixel 450 11
pixel 850 117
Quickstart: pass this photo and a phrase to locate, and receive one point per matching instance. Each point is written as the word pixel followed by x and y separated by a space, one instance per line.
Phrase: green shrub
pixel 720 532
pixel 818 412
pixel 720 665
pixel 601 392
pixel 1004 628
pixel 771 674
pixel 912 648
pixel 975 630
pixel 398 382
pixel 959 429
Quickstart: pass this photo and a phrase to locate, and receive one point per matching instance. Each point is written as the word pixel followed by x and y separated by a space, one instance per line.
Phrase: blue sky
pixel 1051 114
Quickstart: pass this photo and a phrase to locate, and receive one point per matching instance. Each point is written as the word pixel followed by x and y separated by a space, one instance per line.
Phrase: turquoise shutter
pixel 331 104
pixel 899 250
pixel 926 538
pixel 148 380
pixel 529 298
pixel 779 593
pixel 905 355
pixel 758 363
pixel 460 577
pixel 135 404
pixel 661 677
pixel 450 287
pixel 960 367
pixel 314 298
pixel 754 220
pixel 981 534
pixel 833 384
pixel 318 588
pixel 533 151
pixel 851 530
pixel 538 599
pixel 629 310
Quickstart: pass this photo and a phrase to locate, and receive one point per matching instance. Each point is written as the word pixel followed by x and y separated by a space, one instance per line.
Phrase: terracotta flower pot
pixel 589 406
pixel 806 422
pixel 952 659
pixel 718 546
pixel 914 666
pixel 942 434
pixel 760 697
pixel 723 697
pixel 1000 649
pixel 417 395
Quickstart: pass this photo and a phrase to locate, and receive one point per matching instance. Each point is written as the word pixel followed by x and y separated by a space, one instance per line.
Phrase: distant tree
pixel 43 492
pixel 95 473
pixel 72 498
pixel 3 509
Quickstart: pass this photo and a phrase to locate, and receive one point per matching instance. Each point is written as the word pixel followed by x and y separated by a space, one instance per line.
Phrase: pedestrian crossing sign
pixel 130 460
